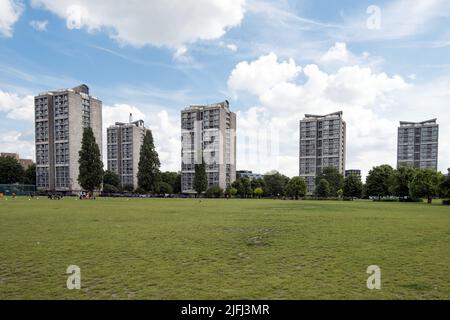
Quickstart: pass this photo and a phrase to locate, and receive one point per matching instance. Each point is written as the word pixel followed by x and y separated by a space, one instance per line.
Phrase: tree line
pixel 383 182
pixel 405 183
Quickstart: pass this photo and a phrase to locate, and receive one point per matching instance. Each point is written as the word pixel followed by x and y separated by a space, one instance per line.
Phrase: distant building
pixel 249 174
pixel 25 163
pixel 353 172
pixel 124 145
pixel 322 145
pixel 60 117
pixel 418 144
pixel 208 132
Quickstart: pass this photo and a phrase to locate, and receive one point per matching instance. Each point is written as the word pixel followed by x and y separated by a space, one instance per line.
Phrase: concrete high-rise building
pixel 354 172
pixel 60 117
pixel 208 131
pixel 418 144
pixel 322 145
pixel 124 146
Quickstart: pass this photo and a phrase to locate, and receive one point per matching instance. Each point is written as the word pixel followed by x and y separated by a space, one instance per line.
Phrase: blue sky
pixel 274 61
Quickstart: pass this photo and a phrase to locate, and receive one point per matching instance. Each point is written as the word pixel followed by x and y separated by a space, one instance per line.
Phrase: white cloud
pixel 261 75
pixel 338 52
pixel 10 11
pixel 166 133
pixel 232 47
pixel 39 25
pixel 14 142
pixel 169 23
pixel 17 107
pixel 366 98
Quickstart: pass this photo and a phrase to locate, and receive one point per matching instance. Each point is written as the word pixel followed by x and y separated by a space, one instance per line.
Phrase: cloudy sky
pixel 378 61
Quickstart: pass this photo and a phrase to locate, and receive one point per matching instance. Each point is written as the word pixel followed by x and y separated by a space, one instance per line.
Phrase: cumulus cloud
pixel 16 142
pixel 261 75
pixel 338 52
pixel 170 23
pixel 10 11
pixel 17 107
pixel 365 97
pixel 39 25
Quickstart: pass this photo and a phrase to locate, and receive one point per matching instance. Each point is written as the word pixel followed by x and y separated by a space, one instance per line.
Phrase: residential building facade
pixel 322 145
pixel 208 132
pixel 353 172
pixel 249 174
pixel 418 144
pixel 124 141
pixel 60 117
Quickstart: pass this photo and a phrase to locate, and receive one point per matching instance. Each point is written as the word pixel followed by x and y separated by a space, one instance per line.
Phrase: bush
pixel 214 192
pixel 108 188
pixel 164 188
pixel 446 202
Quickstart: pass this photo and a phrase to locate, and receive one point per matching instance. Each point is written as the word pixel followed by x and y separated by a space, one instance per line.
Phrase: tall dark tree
pixel 10 171
pixel 200 178
pixel 323 189
pixel 334 178
pixel 30 175
pixel 353 187
pixel 296 188
pixel 91 166
pixel 148 168
pixel 425 184
pixel 111 178
pixel 177 185
pixel 444 186
pixel 401 180
pixel 378 181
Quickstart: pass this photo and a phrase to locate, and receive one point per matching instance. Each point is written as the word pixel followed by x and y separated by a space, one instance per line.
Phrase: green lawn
pixel 223 249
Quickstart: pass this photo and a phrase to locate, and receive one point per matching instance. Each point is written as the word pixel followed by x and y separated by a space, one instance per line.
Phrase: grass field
pixel 222 249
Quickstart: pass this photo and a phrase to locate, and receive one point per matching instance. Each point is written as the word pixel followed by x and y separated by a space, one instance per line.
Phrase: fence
pixel 19 189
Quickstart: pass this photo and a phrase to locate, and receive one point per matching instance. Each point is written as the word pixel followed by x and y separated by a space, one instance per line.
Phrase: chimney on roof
pixel 131 118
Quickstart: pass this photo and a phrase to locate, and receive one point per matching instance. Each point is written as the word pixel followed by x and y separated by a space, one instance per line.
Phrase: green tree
pixel 258 192
pixel 296 188
pixel 257 183
pixel 148 168
pixel 275 184
pixel 378 181
pixel 111 178
pixel 108 188
pixel 353 187
pixel 214 192
pixel 323 189
pixel 444 186
pixel 401 180
pixel 30 175
pixel 90 175
pixel 231 192
pixel 10 171
pixel 243 187
pixel 425 184
pixel 177 185
pixel 200 178
pixel 164 188
pixel 334 177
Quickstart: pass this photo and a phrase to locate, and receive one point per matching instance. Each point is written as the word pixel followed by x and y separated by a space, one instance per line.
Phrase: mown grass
pixel 223 249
